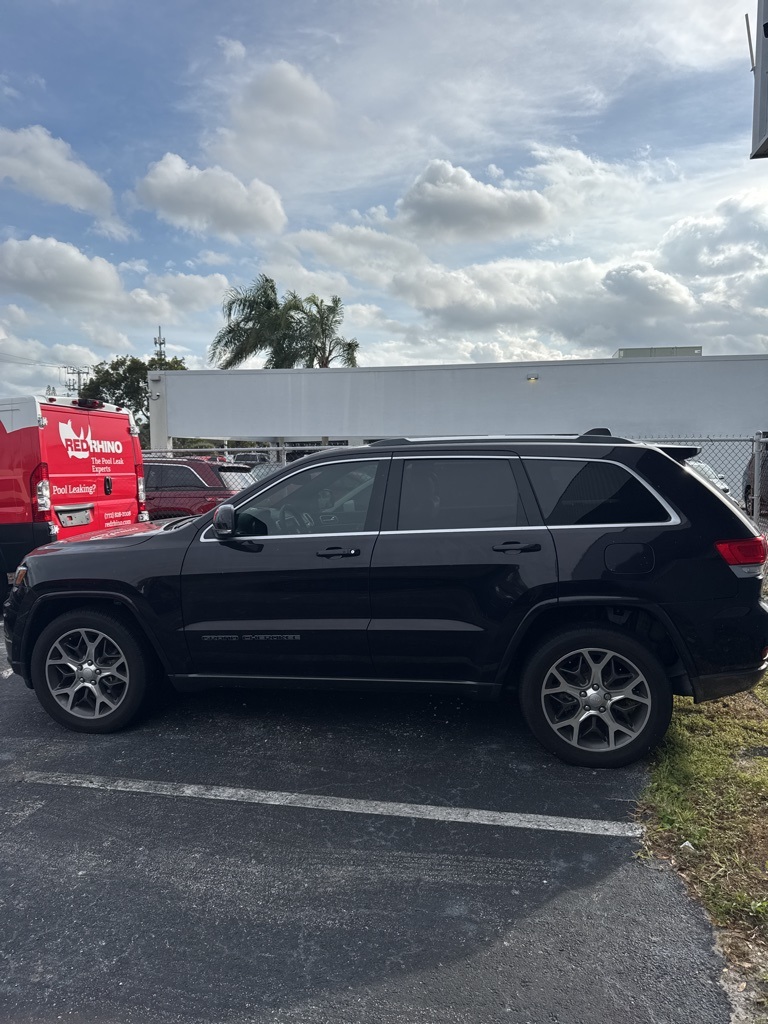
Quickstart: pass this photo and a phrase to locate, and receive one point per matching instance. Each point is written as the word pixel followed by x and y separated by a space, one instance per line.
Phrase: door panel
pixel 274 607
pixel 446 601
pixel 285 598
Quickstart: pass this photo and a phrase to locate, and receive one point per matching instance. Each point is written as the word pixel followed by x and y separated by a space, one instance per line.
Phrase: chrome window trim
pixel 469 529
pixel 674 518
pixel 288 536
pixel 204 539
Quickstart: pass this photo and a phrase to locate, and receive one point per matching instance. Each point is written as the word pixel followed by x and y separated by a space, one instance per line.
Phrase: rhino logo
pixel 78 446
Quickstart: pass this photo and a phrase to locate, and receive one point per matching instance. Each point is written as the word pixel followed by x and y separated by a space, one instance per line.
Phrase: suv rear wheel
pixel 596 697
pixel 88 672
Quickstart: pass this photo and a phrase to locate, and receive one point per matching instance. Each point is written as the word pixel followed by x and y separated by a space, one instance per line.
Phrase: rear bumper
pixel 725 683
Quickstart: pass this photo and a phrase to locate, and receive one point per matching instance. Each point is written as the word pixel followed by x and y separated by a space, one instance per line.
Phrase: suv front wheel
pixel 88 672
pixel 596 697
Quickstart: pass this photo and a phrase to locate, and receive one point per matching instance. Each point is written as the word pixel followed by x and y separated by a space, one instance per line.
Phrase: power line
pixel 74 387
pixel 27 362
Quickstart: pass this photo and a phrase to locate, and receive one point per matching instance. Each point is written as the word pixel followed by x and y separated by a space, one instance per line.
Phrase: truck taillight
pixel 40 488
pixel 141 494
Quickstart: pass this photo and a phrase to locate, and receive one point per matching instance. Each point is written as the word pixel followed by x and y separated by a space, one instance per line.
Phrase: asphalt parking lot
pixel 238 858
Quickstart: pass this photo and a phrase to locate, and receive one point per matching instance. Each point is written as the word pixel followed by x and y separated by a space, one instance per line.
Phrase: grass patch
pixel 709 789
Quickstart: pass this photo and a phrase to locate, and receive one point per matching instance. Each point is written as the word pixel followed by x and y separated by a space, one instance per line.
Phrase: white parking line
pixel 463 815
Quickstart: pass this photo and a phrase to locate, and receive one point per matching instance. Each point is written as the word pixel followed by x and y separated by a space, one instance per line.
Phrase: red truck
pixel 68 466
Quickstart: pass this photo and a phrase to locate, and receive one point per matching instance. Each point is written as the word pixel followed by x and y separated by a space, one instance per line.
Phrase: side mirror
pixel 224 521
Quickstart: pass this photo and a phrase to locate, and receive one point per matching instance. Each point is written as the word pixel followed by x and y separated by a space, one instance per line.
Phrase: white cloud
pixel 134 266
pixel 62 278
pixel 232 49
pixel 650 291
pixel 56 273
pixel 106 337
pixel 28 365
pixel 275 113
pixel 36 163
pixel 15 315
pixel 446 202
pixel 210 201
pixel 189 292
pixel 213 259
pixel 371 256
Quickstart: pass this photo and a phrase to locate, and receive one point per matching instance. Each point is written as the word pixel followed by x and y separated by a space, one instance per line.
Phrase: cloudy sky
pixel 479 181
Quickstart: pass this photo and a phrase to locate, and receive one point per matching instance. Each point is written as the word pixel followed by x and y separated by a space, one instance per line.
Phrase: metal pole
pixel 757 476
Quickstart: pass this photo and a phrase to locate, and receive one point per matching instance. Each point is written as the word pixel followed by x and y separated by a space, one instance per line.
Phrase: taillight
pixel 752 551
pixel 40 488
pixel 141 494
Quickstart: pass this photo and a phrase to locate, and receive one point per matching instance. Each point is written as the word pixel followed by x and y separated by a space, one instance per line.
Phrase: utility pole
pixel 160 346
pixel 79 372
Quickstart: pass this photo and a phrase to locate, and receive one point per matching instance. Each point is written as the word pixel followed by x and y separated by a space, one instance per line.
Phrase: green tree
pixel 322 342
pixel 123 381
pixel 291 331
pixel 259 322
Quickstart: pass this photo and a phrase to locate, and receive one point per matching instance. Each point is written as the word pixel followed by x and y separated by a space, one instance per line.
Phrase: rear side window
pixel 576 493
pixel 153 477
pixel 183 478
pixel 459 494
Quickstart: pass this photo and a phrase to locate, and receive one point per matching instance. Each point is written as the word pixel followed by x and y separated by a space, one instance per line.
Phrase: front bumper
pixel 725 683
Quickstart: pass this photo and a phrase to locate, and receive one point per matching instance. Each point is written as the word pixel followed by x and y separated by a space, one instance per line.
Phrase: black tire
pixel 114 665
pixel 590 725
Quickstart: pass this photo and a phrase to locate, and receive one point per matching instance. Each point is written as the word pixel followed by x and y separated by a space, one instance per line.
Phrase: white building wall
pixel 710 395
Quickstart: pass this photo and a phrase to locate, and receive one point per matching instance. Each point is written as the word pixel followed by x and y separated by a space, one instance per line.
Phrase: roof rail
pixel 598 435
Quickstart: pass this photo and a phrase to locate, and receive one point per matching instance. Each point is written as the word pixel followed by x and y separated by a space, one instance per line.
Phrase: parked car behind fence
pixel 188 485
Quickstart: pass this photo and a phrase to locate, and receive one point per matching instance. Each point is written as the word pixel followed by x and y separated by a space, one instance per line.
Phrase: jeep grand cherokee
pixel 594 575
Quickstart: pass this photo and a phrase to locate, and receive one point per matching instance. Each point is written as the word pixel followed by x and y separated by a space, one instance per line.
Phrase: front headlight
pixel 21 572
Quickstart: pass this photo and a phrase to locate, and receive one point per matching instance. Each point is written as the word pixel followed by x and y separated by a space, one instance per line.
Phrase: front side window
pixel 333 498
pixel 572 492
pixel 459 494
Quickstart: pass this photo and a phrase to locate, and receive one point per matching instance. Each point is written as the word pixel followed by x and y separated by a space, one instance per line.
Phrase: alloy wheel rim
pixel 87 673
pixel 596 699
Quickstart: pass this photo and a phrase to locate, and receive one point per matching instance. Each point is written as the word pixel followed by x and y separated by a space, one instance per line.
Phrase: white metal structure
pixel 697 397
pixel 760 114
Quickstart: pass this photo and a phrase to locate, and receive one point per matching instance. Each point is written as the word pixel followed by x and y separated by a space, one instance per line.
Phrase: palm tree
pixel 292 331
pixel 322 342
pixel 258 321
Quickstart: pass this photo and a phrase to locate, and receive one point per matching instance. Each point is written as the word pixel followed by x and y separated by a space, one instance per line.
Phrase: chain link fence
pixel 722 460
pixel 727 462
pixel 190 481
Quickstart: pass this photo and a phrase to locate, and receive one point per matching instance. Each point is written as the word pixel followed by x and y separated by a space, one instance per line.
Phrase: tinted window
pixel 178 478
pixel 332 498
pixel 573 493
pixel 153 477
pixel 459 494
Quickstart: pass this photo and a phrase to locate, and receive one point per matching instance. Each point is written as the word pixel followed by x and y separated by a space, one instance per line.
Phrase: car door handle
pixel 338 553
pixel 515 547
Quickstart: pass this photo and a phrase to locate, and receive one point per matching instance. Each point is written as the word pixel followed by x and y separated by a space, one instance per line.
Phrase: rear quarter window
pixel 572 492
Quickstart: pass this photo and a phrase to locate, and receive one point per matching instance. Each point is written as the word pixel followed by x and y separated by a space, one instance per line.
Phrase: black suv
pixel 595 575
